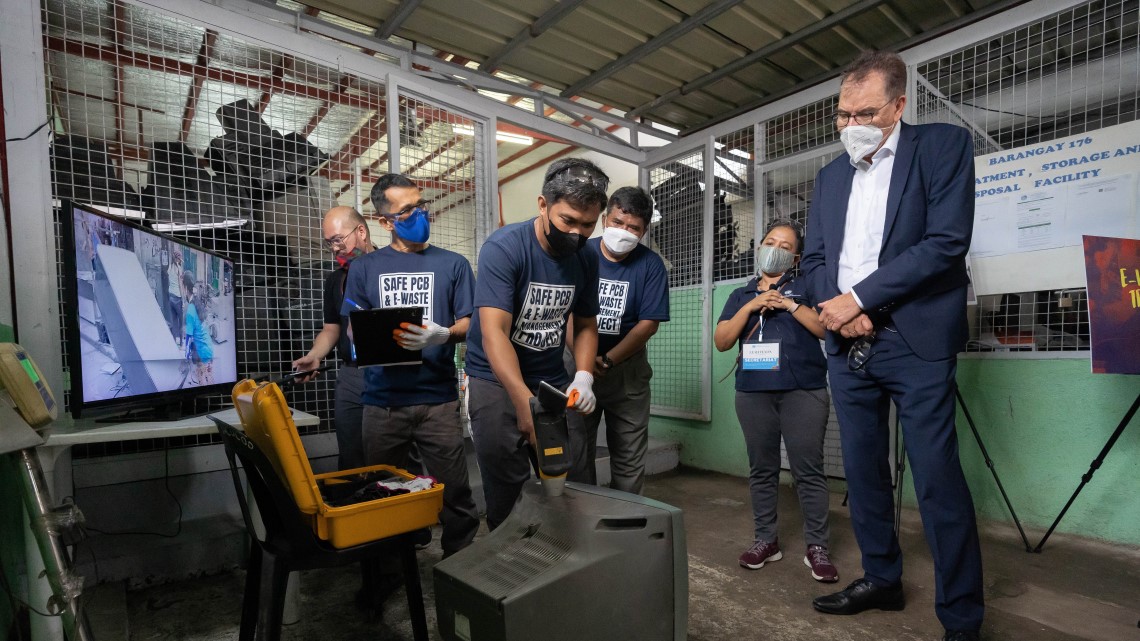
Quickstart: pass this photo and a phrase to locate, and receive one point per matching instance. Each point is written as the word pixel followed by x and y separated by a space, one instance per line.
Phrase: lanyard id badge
pixel 763 356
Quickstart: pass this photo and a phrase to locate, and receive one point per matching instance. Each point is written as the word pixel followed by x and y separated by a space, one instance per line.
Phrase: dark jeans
pixel 623 398
pixel 502 451
pixel 348 416
pixel 389 433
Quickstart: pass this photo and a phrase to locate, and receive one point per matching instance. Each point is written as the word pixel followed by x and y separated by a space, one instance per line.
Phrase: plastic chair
pixel 290 545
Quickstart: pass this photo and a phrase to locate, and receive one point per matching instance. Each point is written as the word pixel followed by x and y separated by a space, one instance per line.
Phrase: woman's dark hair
pixel 795 226
pixel 577 181
pixel 634 201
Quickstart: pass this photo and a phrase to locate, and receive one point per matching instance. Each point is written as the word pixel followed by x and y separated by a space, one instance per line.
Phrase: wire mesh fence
pixel 240 149
pixel 680 385
pixel 1072 72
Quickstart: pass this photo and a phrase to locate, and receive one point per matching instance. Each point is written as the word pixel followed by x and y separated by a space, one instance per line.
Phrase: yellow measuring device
pixel 27 387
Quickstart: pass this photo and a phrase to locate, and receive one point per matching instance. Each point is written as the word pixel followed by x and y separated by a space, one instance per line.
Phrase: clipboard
pixel 372 336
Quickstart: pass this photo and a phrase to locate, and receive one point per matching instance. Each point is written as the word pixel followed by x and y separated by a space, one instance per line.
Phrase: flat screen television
pixel 593 563
pixel 149 319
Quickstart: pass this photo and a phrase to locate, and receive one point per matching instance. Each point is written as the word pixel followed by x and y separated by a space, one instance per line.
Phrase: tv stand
pixel 171 412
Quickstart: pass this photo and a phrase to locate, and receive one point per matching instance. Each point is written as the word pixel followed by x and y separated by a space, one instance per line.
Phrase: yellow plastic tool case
pixel 266 418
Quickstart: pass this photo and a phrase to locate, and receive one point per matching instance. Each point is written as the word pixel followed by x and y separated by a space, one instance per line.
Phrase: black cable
pixel 166 484
pixel 34 132
pixel 12 596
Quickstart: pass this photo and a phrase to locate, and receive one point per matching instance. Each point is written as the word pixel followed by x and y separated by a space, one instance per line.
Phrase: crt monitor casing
pixel 593 563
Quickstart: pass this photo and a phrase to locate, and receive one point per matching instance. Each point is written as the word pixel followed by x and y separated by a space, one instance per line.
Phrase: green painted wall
pixel 1042 421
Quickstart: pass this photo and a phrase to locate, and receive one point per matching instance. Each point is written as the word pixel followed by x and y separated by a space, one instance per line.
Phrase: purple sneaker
pixel 822 569
pixel 760 553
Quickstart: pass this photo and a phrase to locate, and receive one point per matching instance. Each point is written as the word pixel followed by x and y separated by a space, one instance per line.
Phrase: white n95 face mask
pixel 619 241
pixel 773 260
pixel 860 141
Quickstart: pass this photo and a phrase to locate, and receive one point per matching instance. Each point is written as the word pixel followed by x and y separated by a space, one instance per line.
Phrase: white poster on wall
pixel 1033 204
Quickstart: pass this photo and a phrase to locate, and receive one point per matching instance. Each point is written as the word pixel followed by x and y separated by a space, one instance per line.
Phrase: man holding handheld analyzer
pixel 888 230
pixel 532 276
pixel 345 233
pixel 406 404
pixel 633 299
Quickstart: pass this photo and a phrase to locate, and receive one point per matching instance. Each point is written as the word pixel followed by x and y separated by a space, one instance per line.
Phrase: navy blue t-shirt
pixel 442 282
pixel 629 291
pixel 802 364
pixel 517 276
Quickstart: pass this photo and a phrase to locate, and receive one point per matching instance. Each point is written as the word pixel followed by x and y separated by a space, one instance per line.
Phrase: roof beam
pixel 394 21
pixel 201 64
pixel 834 19
pixel 171 65
pixel 640 52
pixel 547 20
pixel 119 27
pixel 542 163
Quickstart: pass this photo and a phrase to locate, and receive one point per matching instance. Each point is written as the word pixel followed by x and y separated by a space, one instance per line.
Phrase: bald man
pixel 345 233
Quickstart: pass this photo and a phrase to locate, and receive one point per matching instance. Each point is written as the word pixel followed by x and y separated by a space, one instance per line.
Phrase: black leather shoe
pixel 962 635
pixel 861 595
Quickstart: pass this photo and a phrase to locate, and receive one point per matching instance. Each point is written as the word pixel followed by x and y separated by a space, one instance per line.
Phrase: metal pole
pixel 990 464
pixel 65 585
pixel 1092 468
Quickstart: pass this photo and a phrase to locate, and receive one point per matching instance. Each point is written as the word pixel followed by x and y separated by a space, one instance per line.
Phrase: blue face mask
pixel 415 228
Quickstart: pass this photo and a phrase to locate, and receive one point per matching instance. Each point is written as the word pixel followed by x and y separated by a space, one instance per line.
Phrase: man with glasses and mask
pixel 633 299
pixel 888 230
pixel 532 277
pixel 406 404
pixel 346 235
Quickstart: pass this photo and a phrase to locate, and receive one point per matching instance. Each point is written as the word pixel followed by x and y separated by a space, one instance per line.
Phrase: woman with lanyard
pixel 781 391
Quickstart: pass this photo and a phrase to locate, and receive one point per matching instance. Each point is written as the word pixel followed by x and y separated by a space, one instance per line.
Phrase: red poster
pixel 1112 274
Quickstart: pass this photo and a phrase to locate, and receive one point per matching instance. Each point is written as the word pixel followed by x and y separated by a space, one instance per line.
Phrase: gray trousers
pixel 800 417
pixel 348 413
pixel 389 433
pixel 623 398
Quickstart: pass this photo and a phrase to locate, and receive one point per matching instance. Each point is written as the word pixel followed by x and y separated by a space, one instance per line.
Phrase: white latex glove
pixel 417 337
pixel 584 385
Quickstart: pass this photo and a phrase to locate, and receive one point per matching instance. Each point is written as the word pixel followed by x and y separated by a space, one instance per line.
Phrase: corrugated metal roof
pixel 681 63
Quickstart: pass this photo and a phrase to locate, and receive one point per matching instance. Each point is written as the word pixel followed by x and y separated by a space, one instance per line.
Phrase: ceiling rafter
pixel 763 52
pixel 547 20
pixel 287 63
pixel 198 72
pixel 396 20
pixel 171 65
pixel 118 27
pixel 653 44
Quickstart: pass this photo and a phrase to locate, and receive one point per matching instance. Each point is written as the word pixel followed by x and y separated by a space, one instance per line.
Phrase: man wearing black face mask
pixel 531 278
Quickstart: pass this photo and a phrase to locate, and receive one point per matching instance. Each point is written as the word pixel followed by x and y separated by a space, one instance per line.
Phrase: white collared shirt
pixel 866 216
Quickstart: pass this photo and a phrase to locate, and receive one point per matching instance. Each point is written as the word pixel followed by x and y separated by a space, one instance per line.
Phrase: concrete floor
pixel 1076 589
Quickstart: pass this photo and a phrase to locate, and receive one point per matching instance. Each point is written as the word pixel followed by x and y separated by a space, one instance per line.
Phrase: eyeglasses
pixel 338 241
pixel 408 210
pixel 860 352
pixel 862 118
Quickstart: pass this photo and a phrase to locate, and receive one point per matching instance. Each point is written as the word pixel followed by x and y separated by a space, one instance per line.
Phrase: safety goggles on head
pixel 579 175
